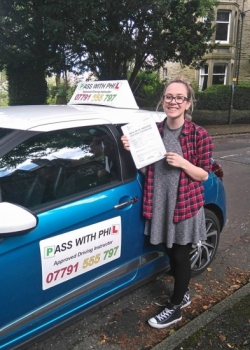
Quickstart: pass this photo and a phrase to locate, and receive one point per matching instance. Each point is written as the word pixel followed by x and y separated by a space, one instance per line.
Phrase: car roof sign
pixel 112 93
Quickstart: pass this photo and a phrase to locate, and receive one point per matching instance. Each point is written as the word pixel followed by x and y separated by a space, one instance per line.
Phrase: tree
pixel 115 39
pixel 143 33
pixel 22 51
pixel 32 45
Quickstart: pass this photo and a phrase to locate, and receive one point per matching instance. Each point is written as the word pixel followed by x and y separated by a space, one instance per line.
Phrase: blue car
pixel 71 229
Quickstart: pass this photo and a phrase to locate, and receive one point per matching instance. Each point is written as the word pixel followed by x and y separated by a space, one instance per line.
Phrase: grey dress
pixel 161 227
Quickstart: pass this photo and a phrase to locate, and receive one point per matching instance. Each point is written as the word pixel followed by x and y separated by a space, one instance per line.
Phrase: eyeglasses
pixel 178 99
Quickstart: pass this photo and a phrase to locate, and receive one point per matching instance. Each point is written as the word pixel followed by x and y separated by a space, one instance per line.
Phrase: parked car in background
pixel 71 229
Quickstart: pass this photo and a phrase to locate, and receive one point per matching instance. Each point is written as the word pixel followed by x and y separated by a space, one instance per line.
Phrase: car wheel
pixel 203 253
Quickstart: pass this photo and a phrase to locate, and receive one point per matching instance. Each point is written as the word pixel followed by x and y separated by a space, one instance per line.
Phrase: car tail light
pixel 217 169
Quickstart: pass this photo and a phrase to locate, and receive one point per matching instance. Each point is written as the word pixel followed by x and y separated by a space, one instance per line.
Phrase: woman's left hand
pixel 196 173
pixel 174 159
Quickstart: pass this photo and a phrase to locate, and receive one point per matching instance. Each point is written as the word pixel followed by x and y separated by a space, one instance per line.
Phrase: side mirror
pixel 15 220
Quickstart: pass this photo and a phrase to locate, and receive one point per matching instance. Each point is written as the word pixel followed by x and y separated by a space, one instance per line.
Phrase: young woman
pixel 173 193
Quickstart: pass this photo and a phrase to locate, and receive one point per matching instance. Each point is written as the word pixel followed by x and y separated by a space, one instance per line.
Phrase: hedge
pixel 218 97
pixel 27 84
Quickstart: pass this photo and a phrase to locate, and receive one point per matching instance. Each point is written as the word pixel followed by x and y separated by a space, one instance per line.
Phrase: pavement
pixel 218 130
pixel 226 325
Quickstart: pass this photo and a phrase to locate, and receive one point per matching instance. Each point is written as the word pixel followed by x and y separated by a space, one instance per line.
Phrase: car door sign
pixel 76 252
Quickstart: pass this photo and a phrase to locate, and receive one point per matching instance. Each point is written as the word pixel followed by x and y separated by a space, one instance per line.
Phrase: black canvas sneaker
pixel 186 300
pixel 170 315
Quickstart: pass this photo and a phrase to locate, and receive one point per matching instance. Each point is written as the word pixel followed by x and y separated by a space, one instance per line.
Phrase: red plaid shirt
pixel 197 148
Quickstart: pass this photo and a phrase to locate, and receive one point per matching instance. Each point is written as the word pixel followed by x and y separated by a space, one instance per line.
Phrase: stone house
pixel 230 61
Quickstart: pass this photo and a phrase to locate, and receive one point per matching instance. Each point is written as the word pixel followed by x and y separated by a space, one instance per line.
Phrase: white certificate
pixel 146 145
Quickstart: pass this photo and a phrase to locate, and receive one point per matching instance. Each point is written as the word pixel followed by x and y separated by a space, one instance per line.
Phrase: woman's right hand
pixel 125 142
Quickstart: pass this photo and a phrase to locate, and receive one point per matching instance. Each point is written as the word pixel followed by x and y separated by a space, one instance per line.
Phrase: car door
pixel 89 236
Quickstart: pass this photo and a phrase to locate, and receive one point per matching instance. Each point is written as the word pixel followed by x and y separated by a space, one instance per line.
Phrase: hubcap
pixel 202 254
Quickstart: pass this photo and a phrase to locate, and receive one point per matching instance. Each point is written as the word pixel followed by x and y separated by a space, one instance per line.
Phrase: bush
pixel 241 99
pixel 27 84
pixel 148 89
pixel 3 89
pixel 3 98
pixel 218 97
pixel 60 94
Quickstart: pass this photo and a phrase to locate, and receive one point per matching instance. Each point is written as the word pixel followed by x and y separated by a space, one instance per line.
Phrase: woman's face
pixel 173 109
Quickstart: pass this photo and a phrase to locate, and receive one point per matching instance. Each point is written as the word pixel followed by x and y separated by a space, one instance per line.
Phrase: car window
pixel 4 132
pixel 55 165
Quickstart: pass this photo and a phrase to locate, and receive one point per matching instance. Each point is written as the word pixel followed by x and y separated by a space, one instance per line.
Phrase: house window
pixel 203 77
pixel 223 24
pixel 165 73
pixel 219 74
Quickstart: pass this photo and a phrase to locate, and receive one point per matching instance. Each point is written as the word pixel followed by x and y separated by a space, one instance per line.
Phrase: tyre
pixel 204 252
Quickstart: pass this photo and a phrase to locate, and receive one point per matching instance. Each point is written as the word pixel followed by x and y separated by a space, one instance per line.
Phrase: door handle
pixel 125 204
